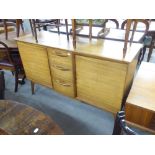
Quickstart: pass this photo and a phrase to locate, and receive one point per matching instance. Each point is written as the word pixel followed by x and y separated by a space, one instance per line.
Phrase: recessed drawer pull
pixel 61 68
pixel 63 84
pixel 62 55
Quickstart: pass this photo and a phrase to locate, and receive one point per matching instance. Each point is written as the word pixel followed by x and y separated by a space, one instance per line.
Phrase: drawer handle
pixel 61 68
pixel 62 55
pixel 63 84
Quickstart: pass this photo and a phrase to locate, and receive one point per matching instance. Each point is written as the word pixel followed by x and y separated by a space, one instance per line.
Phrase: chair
pixel 121 126
pixel 90 24
pixel 2 85
pixel 102 33
pixel 44 23
pixel 136 21
pixel 114 21
pixel 151 36
pixel 12 22
pixel 8 63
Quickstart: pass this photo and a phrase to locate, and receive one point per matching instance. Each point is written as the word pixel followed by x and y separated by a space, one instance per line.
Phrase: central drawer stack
pixel 60 62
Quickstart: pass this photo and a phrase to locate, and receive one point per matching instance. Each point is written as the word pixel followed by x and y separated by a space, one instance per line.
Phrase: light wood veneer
pixel 95 71
pixel 140 104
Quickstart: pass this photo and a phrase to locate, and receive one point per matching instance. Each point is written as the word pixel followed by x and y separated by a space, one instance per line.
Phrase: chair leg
pixel 66 23
pixel 44 28
pixel 16 80
pixel 32 87
pixel 5 29
pixel 150 53
pixel 22 27
pixel 17 27
pixel 22 80
pixel 31 27
pixel 34 30
pixel 2 85
pixel 58 23
pixel 143 53
pixel 117 129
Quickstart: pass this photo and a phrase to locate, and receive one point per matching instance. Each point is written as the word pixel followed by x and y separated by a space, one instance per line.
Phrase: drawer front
pixel 100 82
pixel 61 72
pixel 60 57
pixel 63 87
pixel 35 62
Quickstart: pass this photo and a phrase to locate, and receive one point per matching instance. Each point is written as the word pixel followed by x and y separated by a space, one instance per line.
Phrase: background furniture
pixel 128 24
pixel 150 34
pixel 95 72
pixel 140 107
pixel 38 23
pixel 2 85
pixel 103 33
pixel 13 50
pixel 20 119
pixel 12 22
pixel 75 29
pixel 8 63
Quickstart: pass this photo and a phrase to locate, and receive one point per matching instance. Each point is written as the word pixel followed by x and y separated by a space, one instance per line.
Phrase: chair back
pixel 128 24
pixel 5 54
pixel 114 21
pixel 136 21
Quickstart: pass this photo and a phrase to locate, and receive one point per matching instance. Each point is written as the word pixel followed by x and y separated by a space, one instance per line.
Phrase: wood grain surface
pixel 20 119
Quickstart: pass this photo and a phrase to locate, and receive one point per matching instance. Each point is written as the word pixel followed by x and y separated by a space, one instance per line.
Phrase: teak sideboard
pixel 95 72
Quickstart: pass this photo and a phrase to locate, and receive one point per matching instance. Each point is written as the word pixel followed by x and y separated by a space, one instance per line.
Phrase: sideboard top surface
pixel 106 49
pixel 143 88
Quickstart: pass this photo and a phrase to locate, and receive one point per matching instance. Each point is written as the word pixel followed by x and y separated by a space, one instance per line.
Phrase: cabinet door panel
pixel 35 62
pixel 100 82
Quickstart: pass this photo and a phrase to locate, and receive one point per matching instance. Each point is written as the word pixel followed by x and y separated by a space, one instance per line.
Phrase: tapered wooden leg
pixel 127 32
pixel 34 30
pixel 16 81
pixel 31 27
pixel 32 87
pixel 74 32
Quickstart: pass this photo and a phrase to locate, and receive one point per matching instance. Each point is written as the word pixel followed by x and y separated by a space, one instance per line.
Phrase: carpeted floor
pixel 74 117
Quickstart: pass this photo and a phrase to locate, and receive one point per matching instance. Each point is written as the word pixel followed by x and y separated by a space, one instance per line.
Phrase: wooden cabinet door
pixel 35 62
pixel 100 82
